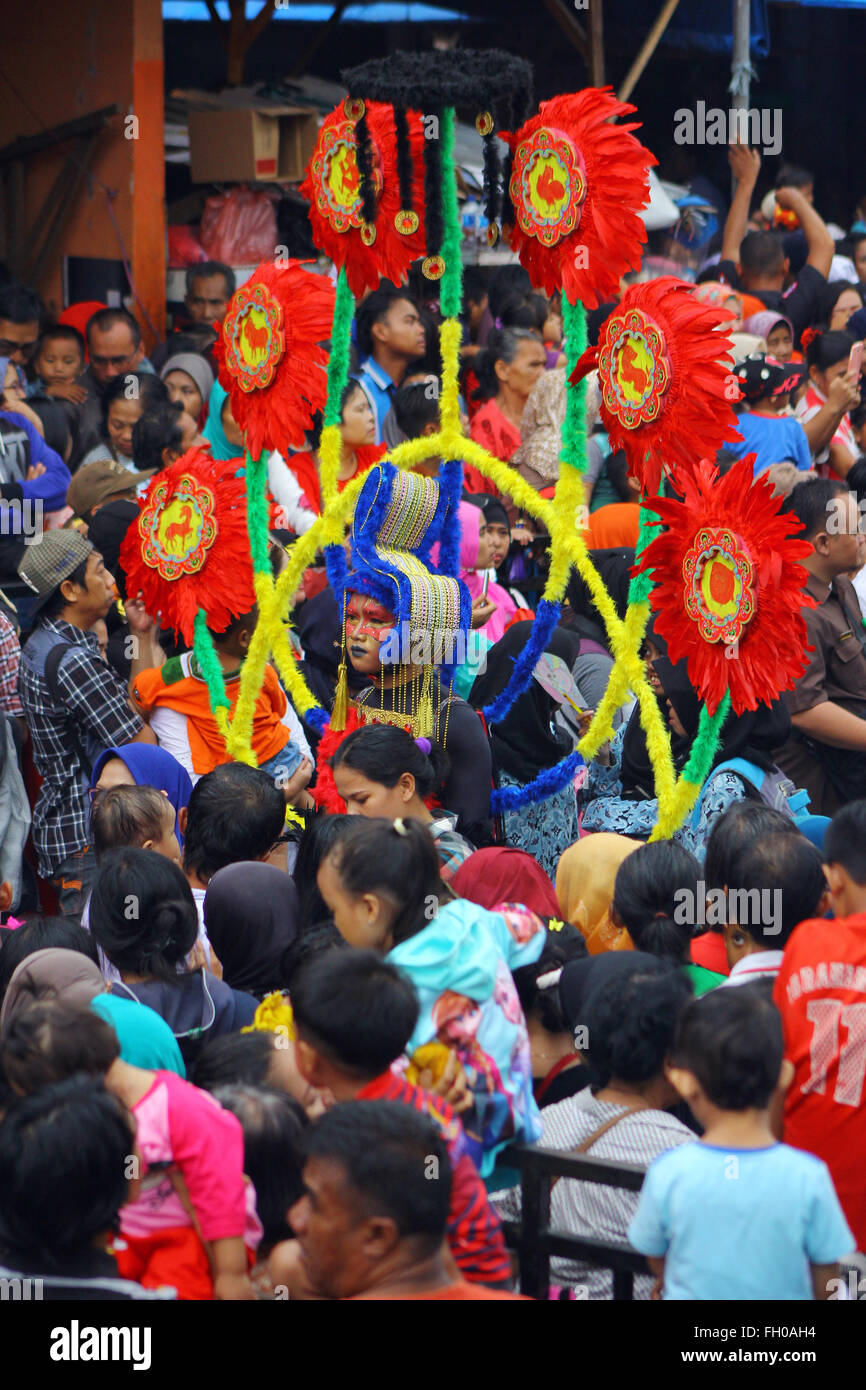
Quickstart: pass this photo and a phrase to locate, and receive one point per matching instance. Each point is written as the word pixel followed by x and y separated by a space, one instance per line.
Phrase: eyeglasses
pixel 112 361
pixel 8 348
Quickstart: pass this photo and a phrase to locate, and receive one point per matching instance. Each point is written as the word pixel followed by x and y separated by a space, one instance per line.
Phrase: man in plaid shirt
pixel 79 706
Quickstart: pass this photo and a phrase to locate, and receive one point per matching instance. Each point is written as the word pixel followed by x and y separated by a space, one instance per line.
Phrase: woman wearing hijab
pixel 501 874
pixel 144 765
pixel 188 378
pixel 623 1009
pixel 585 879
pixel 221 432
pixel 526 743
pixel 477 554
pixel 621 797
pixel 251 916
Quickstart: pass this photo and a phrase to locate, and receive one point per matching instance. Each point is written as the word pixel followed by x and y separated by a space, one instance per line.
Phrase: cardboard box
pixel 243 145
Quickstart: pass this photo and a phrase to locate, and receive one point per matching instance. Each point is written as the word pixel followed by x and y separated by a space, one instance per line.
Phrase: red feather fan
pixel 728 590
pixel 666 392
pixel 332 185
pixel 269 355
pixel 189 548
pixel 577 185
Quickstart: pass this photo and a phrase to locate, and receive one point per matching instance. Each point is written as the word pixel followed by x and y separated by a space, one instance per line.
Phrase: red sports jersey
pixel 821 994
pixel 474 1232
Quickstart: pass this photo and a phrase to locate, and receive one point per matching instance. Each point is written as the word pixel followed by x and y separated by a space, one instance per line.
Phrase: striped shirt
pixel 474 1233
pixel 588 1209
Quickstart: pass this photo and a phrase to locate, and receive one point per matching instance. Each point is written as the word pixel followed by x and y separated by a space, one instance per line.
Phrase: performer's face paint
pixel 367 627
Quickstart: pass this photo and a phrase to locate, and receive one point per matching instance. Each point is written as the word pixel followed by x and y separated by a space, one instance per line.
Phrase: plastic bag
pixel 240 227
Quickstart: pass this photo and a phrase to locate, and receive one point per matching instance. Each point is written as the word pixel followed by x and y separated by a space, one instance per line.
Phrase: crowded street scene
pixel 432 666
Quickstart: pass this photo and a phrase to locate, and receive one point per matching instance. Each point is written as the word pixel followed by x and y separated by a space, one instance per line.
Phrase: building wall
pixel 65 62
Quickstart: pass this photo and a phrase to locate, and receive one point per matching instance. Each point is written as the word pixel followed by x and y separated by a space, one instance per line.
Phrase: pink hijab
pixel 470 540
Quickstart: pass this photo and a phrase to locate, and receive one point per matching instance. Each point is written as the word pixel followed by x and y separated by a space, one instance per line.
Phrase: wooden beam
pixel 596 43
pixel 300 67
pixel 32 144
pixel 570 27
pixel 648 48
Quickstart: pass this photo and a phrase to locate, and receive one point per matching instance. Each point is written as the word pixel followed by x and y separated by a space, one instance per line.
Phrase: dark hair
pixel 235 813
pixel 855 479
pixel 60 332
pixel 234 1059
pixel 646 897
pixel 630 1022
pixel 785 864
pixel 724 461
pixel 273 1125
pixel 315 940
pixel 810 501
pixel 505 282
pixel 317 421
pixel 123 817
pixel 731 1040
pixel 105 319
pixel 732 834
pixel 845 841
pixel 318 837
pixel 414 408
pixel 39 934
pixel 373 857
pixel 616 468
pixel 831 293
pixel 20 304
pixel 49 1041
pixel 206 268
pixel 355 1008
pixel 244 622
pixel 382 753
pixel 375 309
pixel 143 914
pixel 148 389
pixel 157 429
pixel 55 422
pixel 385 1150
pixel 475 283
pixel 761 253
pixel 503 345
pixel 523 311
pixel 58 601
pixel 562 945
pixel 829 347
pixel 793 176
pixel 63 1164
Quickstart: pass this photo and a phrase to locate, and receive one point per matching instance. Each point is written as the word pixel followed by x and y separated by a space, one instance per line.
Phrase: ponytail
pixel 383 753
pixel 397 860
pixel 655 898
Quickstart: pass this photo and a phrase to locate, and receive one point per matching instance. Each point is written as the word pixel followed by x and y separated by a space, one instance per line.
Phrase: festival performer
pixel 404 624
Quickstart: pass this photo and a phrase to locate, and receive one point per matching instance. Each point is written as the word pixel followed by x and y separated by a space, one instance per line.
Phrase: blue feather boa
pixel 546 619
pixel 546 784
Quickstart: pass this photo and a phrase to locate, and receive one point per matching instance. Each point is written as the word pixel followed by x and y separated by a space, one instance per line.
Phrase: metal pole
pixel 741 71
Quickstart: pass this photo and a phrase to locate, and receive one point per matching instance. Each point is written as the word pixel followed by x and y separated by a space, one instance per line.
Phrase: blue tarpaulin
pixel 377 13
pixel 695 26
pixel 826 4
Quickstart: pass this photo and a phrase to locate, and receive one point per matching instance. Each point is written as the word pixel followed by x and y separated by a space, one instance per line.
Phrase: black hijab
pixel 614 566
pixel 251 917
pixel 524 744
pixel 107 532
pixel 753 735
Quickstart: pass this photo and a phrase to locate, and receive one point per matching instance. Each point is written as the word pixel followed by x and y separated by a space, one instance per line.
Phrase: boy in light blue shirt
pixel 737 1215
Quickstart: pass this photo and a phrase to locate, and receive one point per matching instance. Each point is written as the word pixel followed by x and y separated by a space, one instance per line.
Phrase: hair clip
pixel 400 826
pixel 425 745
pixel 549 980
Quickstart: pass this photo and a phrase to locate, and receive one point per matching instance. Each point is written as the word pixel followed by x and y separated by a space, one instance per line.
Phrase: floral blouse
pixel 605 808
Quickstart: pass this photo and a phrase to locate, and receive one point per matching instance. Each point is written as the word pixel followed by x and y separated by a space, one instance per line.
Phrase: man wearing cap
pixel 74 703
pixel 772 437
pixel 99 482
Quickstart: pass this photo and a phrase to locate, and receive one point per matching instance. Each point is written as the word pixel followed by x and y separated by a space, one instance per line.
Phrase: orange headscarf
pixel 585 876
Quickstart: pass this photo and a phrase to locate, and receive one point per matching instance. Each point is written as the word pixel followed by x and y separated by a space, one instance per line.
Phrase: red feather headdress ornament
pixel 729 585
pixel 189 548
pixel 577 185
pixel 269 357
pixel 333 187
pixel 666 395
